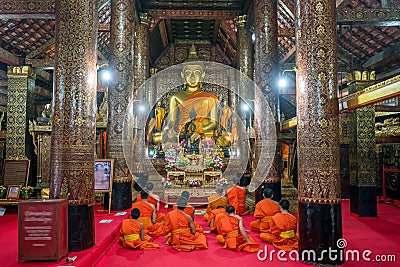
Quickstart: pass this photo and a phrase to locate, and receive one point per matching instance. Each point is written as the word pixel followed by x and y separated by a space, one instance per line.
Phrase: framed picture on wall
pixel 103 175
pixel 13 191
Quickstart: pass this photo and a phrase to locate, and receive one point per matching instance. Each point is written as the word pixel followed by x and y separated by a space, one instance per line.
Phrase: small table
pixel 176 174
pixel 10 202
pixel 194 193
pixel 214 174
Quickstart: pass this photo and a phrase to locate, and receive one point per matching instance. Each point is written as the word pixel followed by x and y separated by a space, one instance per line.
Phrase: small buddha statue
pixel 159 116
pixel 46 115
pixel 102 112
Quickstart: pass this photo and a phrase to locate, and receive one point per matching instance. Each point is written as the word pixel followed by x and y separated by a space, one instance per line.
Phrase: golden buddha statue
pixel 193 104
pixel 159 115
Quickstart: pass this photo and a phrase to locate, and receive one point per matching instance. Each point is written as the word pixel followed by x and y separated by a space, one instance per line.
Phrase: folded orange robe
pixel 229 235
pixel 146 212
pixel 263 213
pixel 282 232
pixel 189 210
pixel 178 235
pixel 213 203
pixel 129 236
pixel 237 198
pixel 213 215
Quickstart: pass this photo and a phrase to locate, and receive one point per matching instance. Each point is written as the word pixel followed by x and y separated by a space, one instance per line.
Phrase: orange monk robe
pixel 199 102
pixel 237 198
pixel 263 213
pixel 213 203
pixel 129 236
pixel 212 218
pixel 155 201
pixel 177 230
pixel 230 236
pixel 282 232
pixel 189 210
pixel 146 213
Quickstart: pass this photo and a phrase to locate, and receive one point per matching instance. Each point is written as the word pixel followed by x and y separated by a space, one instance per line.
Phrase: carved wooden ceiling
pixel 363 43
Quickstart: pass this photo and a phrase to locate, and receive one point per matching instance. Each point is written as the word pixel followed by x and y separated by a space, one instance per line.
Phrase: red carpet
pixel 105 235
pixel 381 235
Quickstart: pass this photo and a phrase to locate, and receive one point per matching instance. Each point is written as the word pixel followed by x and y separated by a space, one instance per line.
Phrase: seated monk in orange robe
pixel 155 200
pixel 216 201
pixel 180 231
pixel 212 218
pixel 131 234
pixel 282 231
pixel 189 210
pixel 264 211
pixel 232 233
pixel 237 198
pixel 148 215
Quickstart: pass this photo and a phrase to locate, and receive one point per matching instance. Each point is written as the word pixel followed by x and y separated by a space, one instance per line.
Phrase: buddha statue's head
pixel 193 71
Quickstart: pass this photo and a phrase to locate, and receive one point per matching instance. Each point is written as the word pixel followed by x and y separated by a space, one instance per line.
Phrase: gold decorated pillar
pixel 265 73
pixel 142 57
pixel 142 71
pixel 20 109
pixel 320 220
pixel 362 156
pixel 72 149
pixel 120 92
pixel 244 54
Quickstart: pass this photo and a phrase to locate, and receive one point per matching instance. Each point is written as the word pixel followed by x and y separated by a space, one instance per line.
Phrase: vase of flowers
pixel 194 182
pixel 166 182
pixel 222 181
pixel 215 164
pixel 3 191
pixel 26 191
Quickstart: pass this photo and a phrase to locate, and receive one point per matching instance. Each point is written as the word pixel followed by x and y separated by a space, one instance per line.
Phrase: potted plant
pixel 3 191
pixel 26 191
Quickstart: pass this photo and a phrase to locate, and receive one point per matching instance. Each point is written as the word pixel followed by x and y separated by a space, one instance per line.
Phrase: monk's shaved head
pixel 135 213
pixel 185 194
pixel 230 210
pixel 284 203
pixel 182 203
pixel 144 194
pixel 149 186
pixel 268 193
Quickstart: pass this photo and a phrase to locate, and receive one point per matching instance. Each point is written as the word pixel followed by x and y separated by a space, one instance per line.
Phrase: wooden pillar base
pixel 121 196
pixel 80 227
pixel 363 201
pixel 320 228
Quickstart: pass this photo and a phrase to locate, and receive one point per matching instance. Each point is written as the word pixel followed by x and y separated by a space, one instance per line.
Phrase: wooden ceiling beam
pixel 193 14
pixel 217 24
pixel 369 16
pixel 381 57
pixel 23 9
pixel 10 58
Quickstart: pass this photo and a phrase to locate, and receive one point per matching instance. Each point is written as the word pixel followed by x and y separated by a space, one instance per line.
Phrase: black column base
pixel 276 187
pixel 141 182
pixel 80 228
pixel 320 228
pixel 121 196
pixel 363 201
